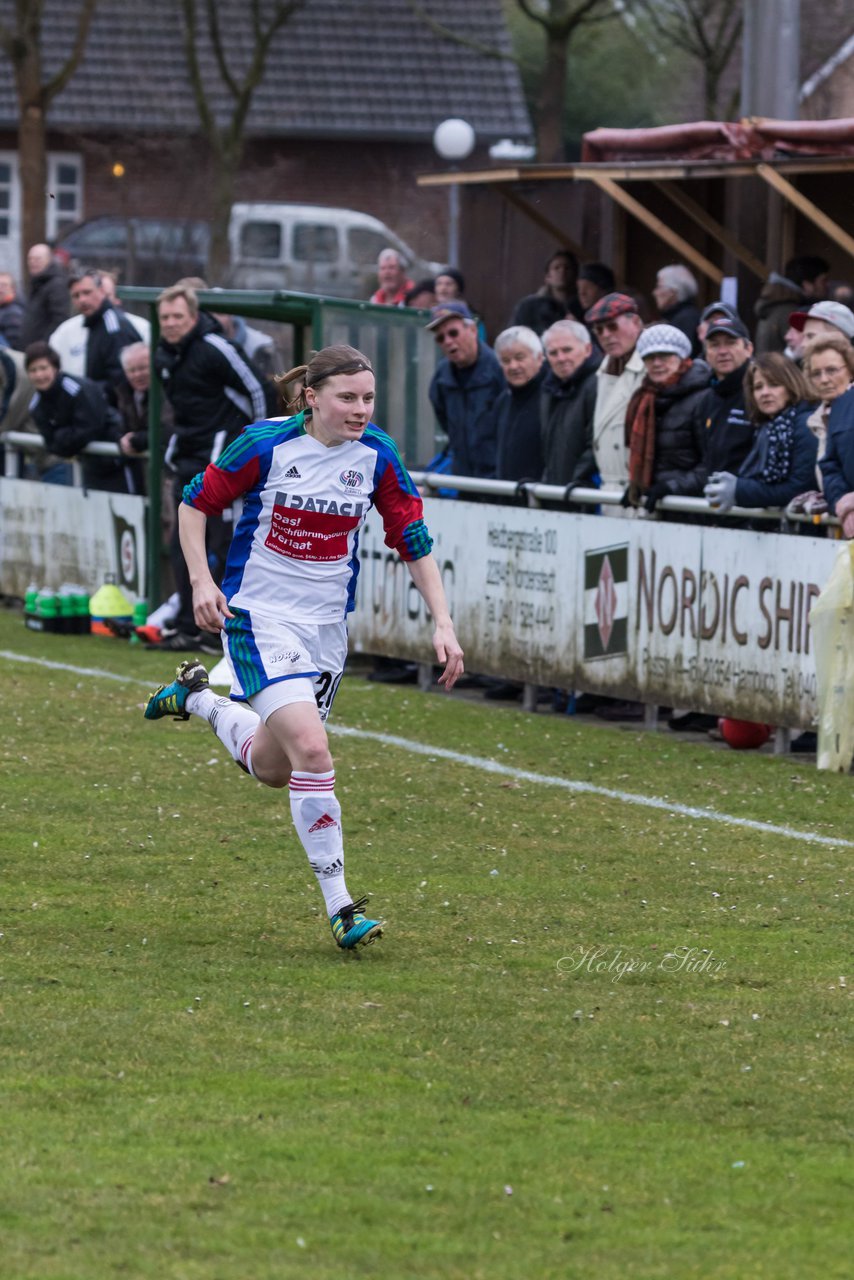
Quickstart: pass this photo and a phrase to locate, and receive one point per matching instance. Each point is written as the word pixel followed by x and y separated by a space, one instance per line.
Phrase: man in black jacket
pixel 728 431
pixel 567 403
pixel 47 302
pixel 109 331
pixel 556 298
pixel 214 393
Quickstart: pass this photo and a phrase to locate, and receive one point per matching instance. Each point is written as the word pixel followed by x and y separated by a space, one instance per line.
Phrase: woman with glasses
pixel 829 368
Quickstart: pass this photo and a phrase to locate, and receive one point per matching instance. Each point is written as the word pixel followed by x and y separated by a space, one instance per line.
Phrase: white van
pixel 308 248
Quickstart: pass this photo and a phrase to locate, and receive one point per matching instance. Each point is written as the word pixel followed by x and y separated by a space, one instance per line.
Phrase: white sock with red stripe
pixel 234 723
pixel 317 818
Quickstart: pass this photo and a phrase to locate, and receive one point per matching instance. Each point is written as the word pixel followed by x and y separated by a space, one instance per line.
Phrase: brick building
pixel 344 116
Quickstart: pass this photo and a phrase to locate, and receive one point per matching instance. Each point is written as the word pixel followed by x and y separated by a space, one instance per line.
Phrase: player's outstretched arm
pixel 209 604
pixel 425 574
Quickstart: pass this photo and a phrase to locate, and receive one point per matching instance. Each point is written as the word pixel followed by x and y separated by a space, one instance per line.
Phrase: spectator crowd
pixel 587 386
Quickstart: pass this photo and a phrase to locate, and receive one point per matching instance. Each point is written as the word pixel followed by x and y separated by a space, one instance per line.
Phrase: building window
pixel 65 192
pixel 314 242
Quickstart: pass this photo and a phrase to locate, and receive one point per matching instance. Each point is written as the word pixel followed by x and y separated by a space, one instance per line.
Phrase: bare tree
pixel 22 45
pixel 560 21
pixel 227 140
pixel 708 31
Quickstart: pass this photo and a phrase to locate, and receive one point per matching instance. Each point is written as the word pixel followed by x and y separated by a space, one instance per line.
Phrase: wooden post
pixel 807 208
pixel 705 220
pixel 518 202
pixel 659 228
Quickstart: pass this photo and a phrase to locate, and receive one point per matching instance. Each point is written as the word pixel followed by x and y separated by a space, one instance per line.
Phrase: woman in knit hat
pixel 663 432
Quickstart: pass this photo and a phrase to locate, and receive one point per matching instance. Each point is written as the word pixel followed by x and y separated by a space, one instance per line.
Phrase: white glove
pixel 720 490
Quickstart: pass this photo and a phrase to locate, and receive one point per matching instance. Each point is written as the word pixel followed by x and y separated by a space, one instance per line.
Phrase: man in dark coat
pixel 517 409
pixel 463 390
pixel 109 331
pixel 48 302
pixel 214 393
pixel 567 402
pixel 721 413
pixel 557 297
pixel 804 280
pixel 675 295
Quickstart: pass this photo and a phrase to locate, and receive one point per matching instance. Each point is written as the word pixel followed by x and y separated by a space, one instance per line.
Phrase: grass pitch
pixel 596 1040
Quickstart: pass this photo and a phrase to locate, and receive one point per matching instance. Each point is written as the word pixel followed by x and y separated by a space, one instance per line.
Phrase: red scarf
pixel 640 431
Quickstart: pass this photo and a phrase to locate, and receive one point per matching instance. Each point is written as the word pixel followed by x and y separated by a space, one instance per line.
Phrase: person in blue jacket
pixel 781 460
pixel 464 389
pixel 837 465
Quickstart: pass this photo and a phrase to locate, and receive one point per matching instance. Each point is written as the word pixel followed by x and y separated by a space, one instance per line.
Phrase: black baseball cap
pixel 735 328
pixel 719 309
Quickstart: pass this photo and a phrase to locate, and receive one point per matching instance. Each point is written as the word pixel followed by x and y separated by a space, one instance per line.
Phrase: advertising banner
pixel 715 619
pixel 53 534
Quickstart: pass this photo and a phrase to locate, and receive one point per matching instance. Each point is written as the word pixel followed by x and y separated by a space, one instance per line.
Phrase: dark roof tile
pixel 367 67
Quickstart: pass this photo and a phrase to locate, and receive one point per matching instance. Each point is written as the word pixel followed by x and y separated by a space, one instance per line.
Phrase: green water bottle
pixel 81 612
pixel 31 618
pixel 66 610
pixel 140 617
pixel 47 609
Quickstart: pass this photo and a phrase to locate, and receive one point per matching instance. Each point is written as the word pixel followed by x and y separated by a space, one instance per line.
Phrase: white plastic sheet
pixel 832 622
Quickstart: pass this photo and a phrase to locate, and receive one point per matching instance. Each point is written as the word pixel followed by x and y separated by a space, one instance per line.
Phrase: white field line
pixel 503 770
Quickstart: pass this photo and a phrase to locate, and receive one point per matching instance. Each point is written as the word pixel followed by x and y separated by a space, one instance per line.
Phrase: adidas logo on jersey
pixel 293 474
pixel 322 824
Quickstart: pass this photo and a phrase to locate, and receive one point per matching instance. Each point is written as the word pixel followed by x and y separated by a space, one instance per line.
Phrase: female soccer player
pixel 307 485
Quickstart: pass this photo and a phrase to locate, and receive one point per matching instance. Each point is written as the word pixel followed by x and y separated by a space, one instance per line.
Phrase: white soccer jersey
pixel 294 551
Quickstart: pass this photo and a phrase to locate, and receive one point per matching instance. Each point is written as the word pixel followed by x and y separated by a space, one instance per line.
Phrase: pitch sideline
pixel 493 766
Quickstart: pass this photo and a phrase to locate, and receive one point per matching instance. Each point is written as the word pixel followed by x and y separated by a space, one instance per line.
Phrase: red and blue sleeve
pixel 402 512
pixel 234 473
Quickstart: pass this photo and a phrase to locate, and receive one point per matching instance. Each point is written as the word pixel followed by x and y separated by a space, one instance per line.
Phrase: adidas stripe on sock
pixel 234 723
pixel 316 815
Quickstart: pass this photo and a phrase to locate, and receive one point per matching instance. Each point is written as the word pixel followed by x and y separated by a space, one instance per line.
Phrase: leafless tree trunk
pixel 22 45
pixel 708 31
pixel 560 20
pixel 226 140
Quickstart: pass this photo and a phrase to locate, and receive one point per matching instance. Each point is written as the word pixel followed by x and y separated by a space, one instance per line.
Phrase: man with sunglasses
pixel 616 326
pixel 463 390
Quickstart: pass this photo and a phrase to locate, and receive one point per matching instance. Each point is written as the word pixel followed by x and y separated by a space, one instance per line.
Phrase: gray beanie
pixel 663 339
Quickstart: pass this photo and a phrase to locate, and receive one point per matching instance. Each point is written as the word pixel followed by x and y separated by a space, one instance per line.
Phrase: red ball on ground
pixel 743 735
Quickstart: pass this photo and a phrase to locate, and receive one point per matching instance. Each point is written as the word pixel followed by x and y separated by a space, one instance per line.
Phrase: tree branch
pixel 445 33
pixel 563 26
pixel 216 43
pixel 58 82
pixel 196 83
pixel 529 12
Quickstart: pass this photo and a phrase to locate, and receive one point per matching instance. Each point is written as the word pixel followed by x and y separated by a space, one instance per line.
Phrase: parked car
pixel 310 248
pixel 144 251
pixel 304 248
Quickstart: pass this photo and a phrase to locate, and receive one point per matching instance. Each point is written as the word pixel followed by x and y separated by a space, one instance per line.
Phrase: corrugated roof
pixel 339 68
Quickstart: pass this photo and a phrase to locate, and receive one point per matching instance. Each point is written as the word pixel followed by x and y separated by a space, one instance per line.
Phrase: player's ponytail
pixel 294 400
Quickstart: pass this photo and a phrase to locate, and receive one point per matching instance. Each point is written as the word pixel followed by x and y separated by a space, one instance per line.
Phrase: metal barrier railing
pixel 433 482
pixel 534 493
pixel 18 443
